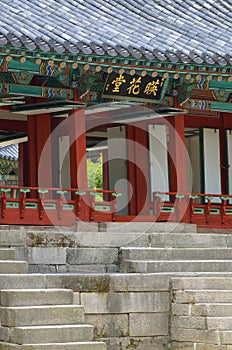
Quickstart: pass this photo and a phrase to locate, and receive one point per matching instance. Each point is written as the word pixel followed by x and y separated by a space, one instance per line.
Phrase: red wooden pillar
pixel 32 151
pixel 131 169
pixel 44 151
pixel 23 164
pixel 138 169
pixel 177 152
pixel 39 151
pixel 78 163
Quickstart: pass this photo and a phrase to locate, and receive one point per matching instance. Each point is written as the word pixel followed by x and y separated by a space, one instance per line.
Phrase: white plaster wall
pixel 212 161
pixel 193 169
pixel 158 158
pixel 117 155
pixel 64 161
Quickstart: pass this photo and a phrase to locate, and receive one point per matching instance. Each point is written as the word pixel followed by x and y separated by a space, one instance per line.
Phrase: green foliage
pixel 95 174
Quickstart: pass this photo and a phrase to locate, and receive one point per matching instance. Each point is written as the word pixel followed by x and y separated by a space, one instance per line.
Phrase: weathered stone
pixel 149 324
pixel 226 337
pixel 87 256
pixel 26 297
pixel 125 227
pixel 80 282
pixel 202 283
pixel 112 240
pixel 4 334
pixel 148 266
pixel 81 268
pixel 212 347
pixel 22 281
pixel 195 335
pixel 150 253
pixel 48 255
pixel 146 227
pixel 187 240
pixel 82 226
pixel 42 268
pixel 50 239
pixel 198 296
pixel 7 254
pixel 189 322
pixel 13 267
pixel 51 334
pixel 182 346
pixel 56 346
pixel 219 323
pixel 138 343
pixel 42 315
pixel 199 309
pixel 12 238
pixel 108 325
pixel 76 298
pixel 136 283
pixel 181 310
pixel 125 302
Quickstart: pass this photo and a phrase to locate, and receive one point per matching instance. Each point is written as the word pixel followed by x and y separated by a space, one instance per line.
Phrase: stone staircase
pixel 201 316
pixel 179 253
pixel 39 319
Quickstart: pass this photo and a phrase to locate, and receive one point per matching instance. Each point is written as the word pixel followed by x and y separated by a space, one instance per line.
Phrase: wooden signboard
pixel 134 88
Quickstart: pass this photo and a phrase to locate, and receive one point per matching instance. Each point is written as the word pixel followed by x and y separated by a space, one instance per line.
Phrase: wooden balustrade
pixel 54 206
pixel 205 210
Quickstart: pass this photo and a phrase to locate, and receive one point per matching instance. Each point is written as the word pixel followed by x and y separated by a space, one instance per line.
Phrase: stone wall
pixel 128 311
pixel 132 314
pixel 201 313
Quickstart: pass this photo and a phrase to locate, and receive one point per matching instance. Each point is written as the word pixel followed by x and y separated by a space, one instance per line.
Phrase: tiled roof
pixel 10 152
pixel 165 29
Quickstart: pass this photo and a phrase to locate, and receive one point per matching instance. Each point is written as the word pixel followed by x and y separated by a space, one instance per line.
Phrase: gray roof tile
pixel 125 25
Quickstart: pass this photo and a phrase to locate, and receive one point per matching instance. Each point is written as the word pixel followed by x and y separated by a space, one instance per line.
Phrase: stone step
pixel 7 254
pixel 189 240
pixel 207 309
pixel 90 345
pixel 146 227
pixel 13 267
pixel 151 266
pixel 202 296
pixel 42 315
pixel 202 283
pixel 34 297
pixel 24 281
pixel 176 253
pixel 51 334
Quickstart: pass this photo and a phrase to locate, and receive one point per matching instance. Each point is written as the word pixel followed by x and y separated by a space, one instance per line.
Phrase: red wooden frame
pixel 50 206
pixel 185 208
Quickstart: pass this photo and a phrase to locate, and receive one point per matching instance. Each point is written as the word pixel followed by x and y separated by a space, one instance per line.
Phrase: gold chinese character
pixel 118 82
pixel 134 87
pixel 151 88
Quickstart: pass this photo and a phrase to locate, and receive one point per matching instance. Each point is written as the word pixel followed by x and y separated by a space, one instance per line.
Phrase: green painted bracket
pixel 116 194
pixel 6 190
pixel 80 193
pixel 24 190
pixel 42 191
pixel 61 192
pixel 179 196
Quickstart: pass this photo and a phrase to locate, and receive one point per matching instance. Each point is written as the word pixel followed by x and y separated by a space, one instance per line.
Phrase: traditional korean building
pixel 147 84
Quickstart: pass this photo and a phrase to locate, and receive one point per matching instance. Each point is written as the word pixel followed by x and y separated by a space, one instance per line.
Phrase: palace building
pixel 144 86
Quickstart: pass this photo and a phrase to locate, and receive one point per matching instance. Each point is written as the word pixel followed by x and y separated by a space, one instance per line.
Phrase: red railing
pixel 205 210
pixel 55 206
